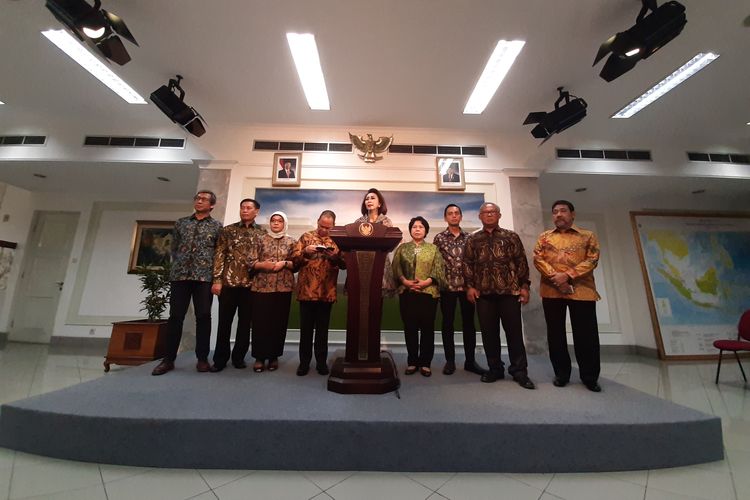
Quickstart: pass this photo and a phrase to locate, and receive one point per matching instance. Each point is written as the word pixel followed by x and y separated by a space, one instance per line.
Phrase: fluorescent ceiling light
pixel 93 65
pixel 307 61
pixel 495 70
pixel 1 102
pixel 681 74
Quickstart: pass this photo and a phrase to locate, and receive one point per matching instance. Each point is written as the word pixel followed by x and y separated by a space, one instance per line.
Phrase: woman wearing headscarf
pixel 273 281
pixel 419 269
pixel 373 210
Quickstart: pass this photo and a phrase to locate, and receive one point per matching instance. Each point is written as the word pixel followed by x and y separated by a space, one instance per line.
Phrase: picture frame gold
pixel 151 247
pixel 450 173
pixel 287 169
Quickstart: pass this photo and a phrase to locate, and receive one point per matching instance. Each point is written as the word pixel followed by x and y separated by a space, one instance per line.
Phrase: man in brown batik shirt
pixel 319 260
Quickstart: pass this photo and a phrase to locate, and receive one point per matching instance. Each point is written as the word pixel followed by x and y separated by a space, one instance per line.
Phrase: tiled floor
pixel 27 369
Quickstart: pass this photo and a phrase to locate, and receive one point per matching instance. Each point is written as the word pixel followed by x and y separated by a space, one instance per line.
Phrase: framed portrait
pixel 152 245
pixel 287 168
pixel 450 173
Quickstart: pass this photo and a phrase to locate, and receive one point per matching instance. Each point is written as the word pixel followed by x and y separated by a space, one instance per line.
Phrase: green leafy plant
pixel 155 286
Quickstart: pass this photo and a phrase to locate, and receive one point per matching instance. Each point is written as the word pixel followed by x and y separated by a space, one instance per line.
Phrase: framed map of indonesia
pixel 697 273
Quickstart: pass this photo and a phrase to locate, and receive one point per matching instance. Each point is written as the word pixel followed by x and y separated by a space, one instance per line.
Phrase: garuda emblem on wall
pixel 370 147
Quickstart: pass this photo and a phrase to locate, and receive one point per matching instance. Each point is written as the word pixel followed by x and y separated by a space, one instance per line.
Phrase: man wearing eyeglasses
pixel 191 276
pixel 496 275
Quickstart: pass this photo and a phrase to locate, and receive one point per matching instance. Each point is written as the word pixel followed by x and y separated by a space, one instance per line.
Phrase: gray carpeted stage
pixel 244 420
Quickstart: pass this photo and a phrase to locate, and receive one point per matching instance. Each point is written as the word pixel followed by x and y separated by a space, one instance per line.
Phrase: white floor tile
pixel 378 486
pixel 5 482
pixel 209 495
pixel 269 485
pixel 739 462
pixel 490 486
pixel 90 493
pixel 326 479
pixel 431 480
pixel 115 472
pixel 52 476
pixel 322 496
pixel 538 481
pixel 593 487
pixel 639 477
pixel 220 477
pixel 656 494
pixel 164 484
pixel 693 481
pixel 6 458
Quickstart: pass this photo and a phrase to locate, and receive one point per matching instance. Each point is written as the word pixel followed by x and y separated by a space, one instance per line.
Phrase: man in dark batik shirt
pixel 496 273
pixel 191 275
pixel 452 244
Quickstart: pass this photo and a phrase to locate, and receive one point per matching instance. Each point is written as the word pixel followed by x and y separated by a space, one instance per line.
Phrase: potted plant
pixel 139 341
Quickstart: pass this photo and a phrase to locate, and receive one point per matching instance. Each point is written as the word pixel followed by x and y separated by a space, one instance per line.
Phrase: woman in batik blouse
pixel 419 270
pixel 374 209
pixel 273 281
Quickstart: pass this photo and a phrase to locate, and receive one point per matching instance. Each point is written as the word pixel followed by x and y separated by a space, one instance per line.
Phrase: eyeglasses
pixel 488 212
pixel 202 198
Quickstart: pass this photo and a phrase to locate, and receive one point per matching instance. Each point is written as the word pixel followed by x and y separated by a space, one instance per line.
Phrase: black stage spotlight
pixel 174 107
pixel 94 26
pixel 554 122
pixel 650 33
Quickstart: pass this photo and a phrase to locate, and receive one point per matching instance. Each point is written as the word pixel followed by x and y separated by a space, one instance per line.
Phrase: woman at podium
pixel 419 269
pixel 374 209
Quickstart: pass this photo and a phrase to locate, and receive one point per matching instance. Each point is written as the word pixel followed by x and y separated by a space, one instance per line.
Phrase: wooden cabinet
pixel 136 342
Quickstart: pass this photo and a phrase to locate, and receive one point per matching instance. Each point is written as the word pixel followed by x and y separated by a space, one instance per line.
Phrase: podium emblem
pixel 365 229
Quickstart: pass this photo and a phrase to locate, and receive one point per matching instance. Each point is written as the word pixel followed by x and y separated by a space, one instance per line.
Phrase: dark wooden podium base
pixel 363 377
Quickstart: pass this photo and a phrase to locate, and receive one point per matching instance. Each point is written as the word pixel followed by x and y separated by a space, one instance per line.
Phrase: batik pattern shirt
pixel 193 248
pixel 275 250
pixel 574 252
pixel 452 249
pixel 232 254
pixel 412 261
pixel 495 262
pixel 317 272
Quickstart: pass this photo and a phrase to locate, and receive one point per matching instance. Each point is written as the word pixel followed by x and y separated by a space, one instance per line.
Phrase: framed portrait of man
pixel 287 169
pixel 450 173
pixel 152 245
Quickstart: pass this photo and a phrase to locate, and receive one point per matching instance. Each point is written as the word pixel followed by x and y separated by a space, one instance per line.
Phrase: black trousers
pixel 180 294
pixel 448 310
pixel 585 337
pixel 314 317
pixel 493 309
pixel 270 320
pixel 418 314
pixel 233 300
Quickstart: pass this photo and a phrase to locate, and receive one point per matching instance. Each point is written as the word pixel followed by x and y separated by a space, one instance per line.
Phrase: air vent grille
pixel 133 142
pixel 740 158
pixel 604 154
pixel 345 147
pixel 22 140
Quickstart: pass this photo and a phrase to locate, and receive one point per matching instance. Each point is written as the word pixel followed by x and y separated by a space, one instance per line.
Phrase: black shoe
pixel 593 386
pixel 302 370
pixel 241 365
pixel 202 366
pixel 322 369
pixel 492 376
pixel 473 367
pixel 449 368
pixel 216 368
pixel 560 382
pixel 524 381
pixel 163 367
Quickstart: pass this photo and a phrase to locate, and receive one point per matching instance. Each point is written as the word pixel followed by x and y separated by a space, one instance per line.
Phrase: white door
pixel 41 283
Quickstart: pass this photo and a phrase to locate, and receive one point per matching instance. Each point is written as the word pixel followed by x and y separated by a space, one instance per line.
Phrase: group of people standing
pixel 251 270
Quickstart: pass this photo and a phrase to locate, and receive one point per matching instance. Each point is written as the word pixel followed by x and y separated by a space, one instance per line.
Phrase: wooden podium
pixel 364 369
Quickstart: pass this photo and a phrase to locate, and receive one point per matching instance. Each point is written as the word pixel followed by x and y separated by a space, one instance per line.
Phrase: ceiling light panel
pixel 65 42
pixel 681 74
pixel 497 67
pixel 307 61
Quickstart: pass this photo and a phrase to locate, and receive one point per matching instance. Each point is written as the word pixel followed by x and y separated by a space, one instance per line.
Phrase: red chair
pixel 741 344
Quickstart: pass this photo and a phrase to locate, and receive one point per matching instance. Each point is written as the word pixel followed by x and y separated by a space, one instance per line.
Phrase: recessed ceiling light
pixel 580 190
pixel 163 179
pixel 65 42
pixel 497 67
pixel 41 176
pixel 1 102
pixel 681 74
pixel 307 61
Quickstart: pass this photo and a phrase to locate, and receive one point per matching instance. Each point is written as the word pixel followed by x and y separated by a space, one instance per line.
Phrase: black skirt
pixel 270 320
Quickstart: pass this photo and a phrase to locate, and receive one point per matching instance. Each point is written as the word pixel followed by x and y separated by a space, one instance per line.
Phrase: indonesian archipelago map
pixel 699 271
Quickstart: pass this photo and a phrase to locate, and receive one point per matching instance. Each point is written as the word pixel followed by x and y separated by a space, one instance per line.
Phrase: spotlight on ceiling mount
pixel 170 99
pixel 563 116
pixel 94 26
pixel 650 33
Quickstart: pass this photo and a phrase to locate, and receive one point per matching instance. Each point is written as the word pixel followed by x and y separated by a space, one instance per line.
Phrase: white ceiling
pixel 393 63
